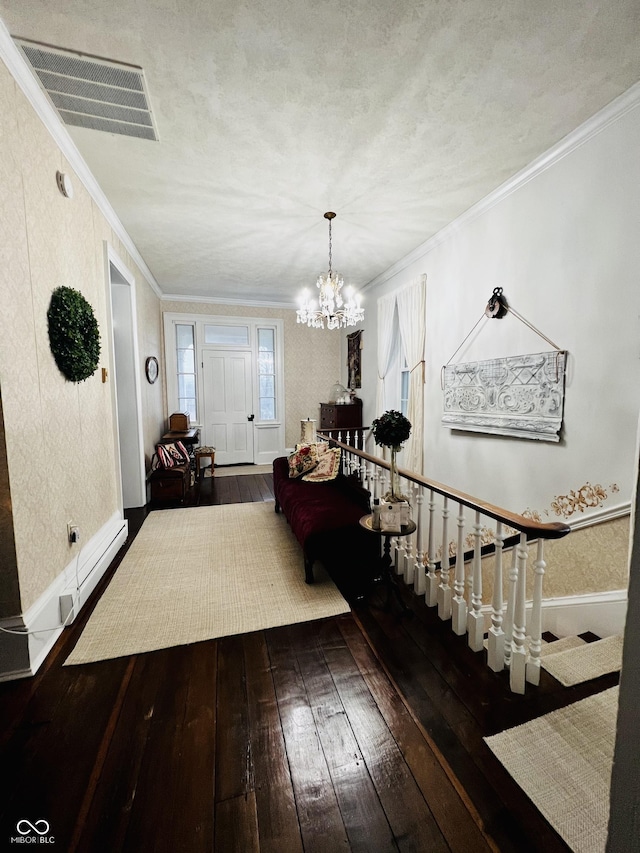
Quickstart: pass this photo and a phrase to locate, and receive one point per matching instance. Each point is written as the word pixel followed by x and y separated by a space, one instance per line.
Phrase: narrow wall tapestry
pixel 521 396
pixel 354 359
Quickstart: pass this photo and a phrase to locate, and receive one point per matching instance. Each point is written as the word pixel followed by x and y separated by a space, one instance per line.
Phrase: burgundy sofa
pixel 325 520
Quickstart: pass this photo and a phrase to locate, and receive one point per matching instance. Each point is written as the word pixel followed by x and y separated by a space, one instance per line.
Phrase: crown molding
pixel 219 300
pixel 24 77
pixel 619 107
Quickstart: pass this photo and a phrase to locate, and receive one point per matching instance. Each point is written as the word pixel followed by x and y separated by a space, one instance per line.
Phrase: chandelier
pixel 331 307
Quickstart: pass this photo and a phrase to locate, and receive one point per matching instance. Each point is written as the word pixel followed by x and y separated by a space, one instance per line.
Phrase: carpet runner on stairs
pixel 573 664
pixel 572 660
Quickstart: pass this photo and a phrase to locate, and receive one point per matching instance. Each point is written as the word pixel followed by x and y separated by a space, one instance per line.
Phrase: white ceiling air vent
pixel 93 93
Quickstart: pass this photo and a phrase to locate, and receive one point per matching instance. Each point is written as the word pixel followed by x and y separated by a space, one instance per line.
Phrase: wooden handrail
pixel 532 529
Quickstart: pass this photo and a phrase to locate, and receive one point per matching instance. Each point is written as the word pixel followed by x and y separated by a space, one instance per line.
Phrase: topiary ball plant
pixel 74 336
pixel 391 429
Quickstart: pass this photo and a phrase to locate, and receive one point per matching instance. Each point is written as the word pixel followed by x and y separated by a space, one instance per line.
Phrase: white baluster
pixel 475 619
pixel 420 582
pixel 495 656
pixel 346 456
pixel 353 463
pixel 459 607
pixel 407 542
pixel 397 545
pixel 431 593
pixel 444 589
pixel 372 479
pixel 518 648
pixel 378 481
pixel 535 628
pixel 511 606
pixel 409 560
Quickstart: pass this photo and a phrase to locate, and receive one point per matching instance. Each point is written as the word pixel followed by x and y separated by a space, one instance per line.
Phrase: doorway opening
pixel 125 384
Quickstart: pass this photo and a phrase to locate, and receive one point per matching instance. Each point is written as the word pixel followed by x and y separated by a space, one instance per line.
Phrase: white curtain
pixel 386 309
pixel 412 304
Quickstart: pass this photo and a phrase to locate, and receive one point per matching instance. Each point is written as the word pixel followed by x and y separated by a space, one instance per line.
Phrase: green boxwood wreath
pixel 74 336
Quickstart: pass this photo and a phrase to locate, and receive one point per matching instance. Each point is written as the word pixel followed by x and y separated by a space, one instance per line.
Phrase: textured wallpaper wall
pixel 59 435
pixel 311 358
pixel 9 590
pixel 588 560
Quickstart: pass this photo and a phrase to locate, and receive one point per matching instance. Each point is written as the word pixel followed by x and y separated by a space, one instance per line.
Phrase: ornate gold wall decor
pixel 586 497
pixel 520 396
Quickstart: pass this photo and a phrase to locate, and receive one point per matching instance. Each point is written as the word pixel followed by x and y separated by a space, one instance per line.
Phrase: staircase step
pixel 562 645
pixel 584 662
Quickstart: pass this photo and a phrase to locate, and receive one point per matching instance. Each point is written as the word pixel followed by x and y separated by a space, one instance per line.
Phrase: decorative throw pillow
pixel 172 454
pixel 318 446
pixel 327 467
pixel 303 459
pixel 183 450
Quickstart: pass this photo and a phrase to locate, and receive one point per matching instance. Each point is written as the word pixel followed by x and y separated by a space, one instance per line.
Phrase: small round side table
pixel 385 560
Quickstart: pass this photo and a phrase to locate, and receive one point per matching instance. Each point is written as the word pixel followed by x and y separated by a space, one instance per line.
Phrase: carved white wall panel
pixel 521 396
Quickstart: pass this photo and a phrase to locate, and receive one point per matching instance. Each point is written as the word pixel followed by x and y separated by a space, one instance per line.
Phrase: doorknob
pixel 250 417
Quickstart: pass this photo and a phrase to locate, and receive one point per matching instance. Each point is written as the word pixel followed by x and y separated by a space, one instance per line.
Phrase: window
pixel 234 336
pixel 186 363
pixel 266 375
pixel 404 387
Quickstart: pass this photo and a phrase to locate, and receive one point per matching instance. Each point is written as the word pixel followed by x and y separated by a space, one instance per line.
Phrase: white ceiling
pixel 396 115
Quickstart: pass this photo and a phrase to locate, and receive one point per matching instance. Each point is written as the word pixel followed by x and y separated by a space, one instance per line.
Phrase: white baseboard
pixel 604 613
pixel 40 626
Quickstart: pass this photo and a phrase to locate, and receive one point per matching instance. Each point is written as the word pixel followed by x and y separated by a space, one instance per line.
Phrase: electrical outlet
pixel 73 533
pixel 66 606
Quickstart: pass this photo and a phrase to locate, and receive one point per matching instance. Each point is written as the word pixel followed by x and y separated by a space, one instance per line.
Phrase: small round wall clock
pixel 151 369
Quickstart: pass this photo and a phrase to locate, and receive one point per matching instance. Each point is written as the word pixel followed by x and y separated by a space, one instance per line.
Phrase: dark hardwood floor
pixel 361 732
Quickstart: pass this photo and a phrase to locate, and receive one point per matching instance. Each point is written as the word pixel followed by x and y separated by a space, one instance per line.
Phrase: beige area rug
pixel 239 470
pixel 563 762
pixel 197 573
pixel 590 660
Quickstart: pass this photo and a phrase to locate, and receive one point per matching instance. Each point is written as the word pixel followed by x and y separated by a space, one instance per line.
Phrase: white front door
pixel 228 401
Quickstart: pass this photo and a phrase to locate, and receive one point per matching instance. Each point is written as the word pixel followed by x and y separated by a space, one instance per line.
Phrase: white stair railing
pixel 424 560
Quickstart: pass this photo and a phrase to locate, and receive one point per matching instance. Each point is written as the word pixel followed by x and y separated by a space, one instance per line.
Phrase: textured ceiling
pixel 396 115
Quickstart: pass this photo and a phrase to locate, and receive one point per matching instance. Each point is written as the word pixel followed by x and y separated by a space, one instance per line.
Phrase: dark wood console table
pixel 188 437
